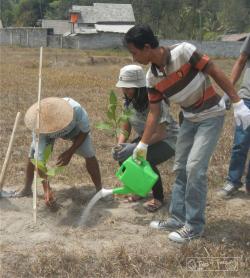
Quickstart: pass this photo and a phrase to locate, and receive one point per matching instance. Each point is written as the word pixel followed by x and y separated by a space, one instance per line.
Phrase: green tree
pixel 7 12
pixel 173 19
pixel 235 15
pixel 27 12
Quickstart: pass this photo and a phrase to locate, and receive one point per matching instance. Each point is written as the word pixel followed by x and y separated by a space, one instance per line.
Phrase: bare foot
pixel 48 195
pixel 153 205
pixel 134 198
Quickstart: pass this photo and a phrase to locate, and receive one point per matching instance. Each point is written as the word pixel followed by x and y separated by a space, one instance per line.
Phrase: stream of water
pixel 100 194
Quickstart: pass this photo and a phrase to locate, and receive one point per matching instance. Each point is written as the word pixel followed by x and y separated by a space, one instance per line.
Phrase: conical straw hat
pixel 55 114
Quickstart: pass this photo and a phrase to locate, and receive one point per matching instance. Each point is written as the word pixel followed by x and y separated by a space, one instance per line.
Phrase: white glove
pixel 227 101
pixel 140 152
pixel 241 114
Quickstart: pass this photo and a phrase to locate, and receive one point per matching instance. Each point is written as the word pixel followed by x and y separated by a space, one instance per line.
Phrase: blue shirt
pixel 80 123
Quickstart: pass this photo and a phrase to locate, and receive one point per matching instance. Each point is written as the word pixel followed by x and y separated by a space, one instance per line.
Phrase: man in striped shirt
pixel 181 75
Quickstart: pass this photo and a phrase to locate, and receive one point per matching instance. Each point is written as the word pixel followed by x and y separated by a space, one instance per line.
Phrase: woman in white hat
pixel 60 118
pixel 162 146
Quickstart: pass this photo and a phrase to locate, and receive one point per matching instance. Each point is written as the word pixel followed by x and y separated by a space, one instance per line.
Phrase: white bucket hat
pixel 131 76
pixel 56 116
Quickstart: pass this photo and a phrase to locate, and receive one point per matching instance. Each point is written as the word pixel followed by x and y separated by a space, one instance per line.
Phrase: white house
pixel 101 17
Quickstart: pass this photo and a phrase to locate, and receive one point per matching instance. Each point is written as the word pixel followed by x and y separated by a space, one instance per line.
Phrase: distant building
pixel 58 26
pixel 101 17
pixel 234 37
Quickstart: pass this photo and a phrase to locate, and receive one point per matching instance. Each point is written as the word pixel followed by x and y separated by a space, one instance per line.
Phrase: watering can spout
pixel 106 192
pixel 119 190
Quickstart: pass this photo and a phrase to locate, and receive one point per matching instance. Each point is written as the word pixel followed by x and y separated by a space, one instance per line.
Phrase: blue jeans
pixel 239 154
pixel 195 145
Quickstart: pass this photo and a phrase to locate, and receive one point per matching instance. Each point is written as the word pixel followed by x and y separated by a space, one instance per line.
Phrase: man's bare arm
pixel 152 122
pixel 222 80
pixel 238 67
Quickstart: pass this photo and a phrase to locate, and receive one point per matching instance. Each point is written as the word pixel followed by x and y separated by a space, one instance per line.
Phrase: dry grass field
pixel 117 241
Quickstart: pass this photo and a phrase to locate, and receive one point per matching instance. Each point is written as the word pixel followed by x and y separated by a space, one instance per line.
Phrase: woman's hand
pixel 126 150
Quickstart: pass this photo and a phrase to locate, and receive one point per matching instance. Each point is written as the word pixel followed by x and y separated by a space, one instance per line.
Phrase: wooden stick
pixel 37 132
pixel 7 157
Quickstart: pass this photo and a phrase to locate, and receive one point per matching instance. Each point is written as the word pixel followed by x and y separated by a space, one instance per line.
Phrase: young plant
pixel 44 168
pixel 115 117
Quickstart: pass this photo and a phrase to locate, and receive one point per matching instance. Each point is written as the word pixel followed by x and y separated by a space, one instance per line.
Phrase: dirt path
pixel 114 224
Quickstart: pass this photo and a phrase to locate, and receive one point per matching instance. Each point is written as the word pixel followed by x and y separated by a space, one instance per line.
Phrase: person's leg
pixel 206 137
pixel 239 153
pixel 248 179
pixel 48 194
pixel 177 206
pixel 86 150
pixel 183 147
pixel 238 156
pixel 92 166
pixel 156 203
pixel 158 153
pixel 29 176
pixel 157 188
pixel 205 140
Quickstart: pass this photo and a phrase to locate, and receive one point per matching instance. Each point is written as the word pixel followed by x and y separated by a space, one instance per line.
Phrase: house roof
pixel 113 28
pixel 106 13
pixel 87 13
pixel 234 37
pixel 59 26
pixel 82 30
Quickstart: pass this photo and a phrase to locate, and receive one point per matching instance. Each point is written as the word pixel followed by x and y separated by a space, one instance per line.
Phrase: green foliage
pixel 115 117
pixel 172 19
pixel 44 168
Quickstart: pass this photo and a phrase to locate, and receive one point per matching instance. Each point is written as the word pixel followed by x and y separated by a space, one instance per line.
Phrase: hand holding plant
pixel 46 173
pixel 64 158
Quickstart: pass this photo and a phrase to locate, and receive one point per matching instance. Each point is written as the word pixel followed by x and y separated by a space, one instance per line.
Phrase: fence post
pixel 11 37
pixel 27 37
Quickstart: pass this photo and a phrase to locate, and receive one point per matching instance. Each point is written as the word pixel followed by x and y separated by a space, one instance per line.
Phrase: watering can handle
pixel 142 162
pixel 120 171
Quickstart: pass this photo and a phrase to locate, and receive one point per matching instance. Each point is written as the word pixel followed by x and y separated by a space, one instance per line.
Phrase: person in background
pixel 60 118
pixel 180 74
pixel 241 144
pixel 162 142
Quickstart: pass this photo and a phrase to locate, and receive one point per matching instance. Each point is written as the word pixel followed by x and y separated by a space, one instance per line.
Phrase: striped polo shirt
pixel 184 82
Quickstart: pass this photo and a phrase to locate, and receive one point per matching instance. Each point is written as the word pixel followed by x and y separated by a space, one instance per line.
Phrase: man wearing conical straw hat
pixel 60 118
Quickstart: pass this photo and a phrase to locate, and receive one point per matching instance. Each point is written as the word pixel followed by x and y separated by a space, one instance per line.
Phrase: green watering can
pixel 137 178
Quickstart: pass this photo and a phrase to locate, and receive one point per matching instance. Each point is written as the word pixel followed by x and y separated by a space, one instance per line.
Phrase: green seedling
pixel 49 172
pixel 115 117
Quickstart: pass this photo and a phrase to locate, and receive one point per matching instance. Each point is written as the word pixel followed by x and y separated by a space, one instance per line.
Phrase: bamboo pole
pixel 37 132
pixel 7 157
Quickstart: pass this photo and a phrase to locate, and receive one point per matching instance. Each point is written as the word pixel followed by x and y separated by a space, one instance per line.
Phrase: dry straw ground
pixel 117 241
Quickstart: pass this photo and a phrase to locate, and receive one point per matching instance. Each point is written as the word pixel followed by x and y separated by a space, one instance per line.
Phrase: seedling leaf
pixel 113 98
pixel 111 125
pixel 54 171
pixel 47 153
pixel 40 165
pixel 111 112
pixel 104 126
